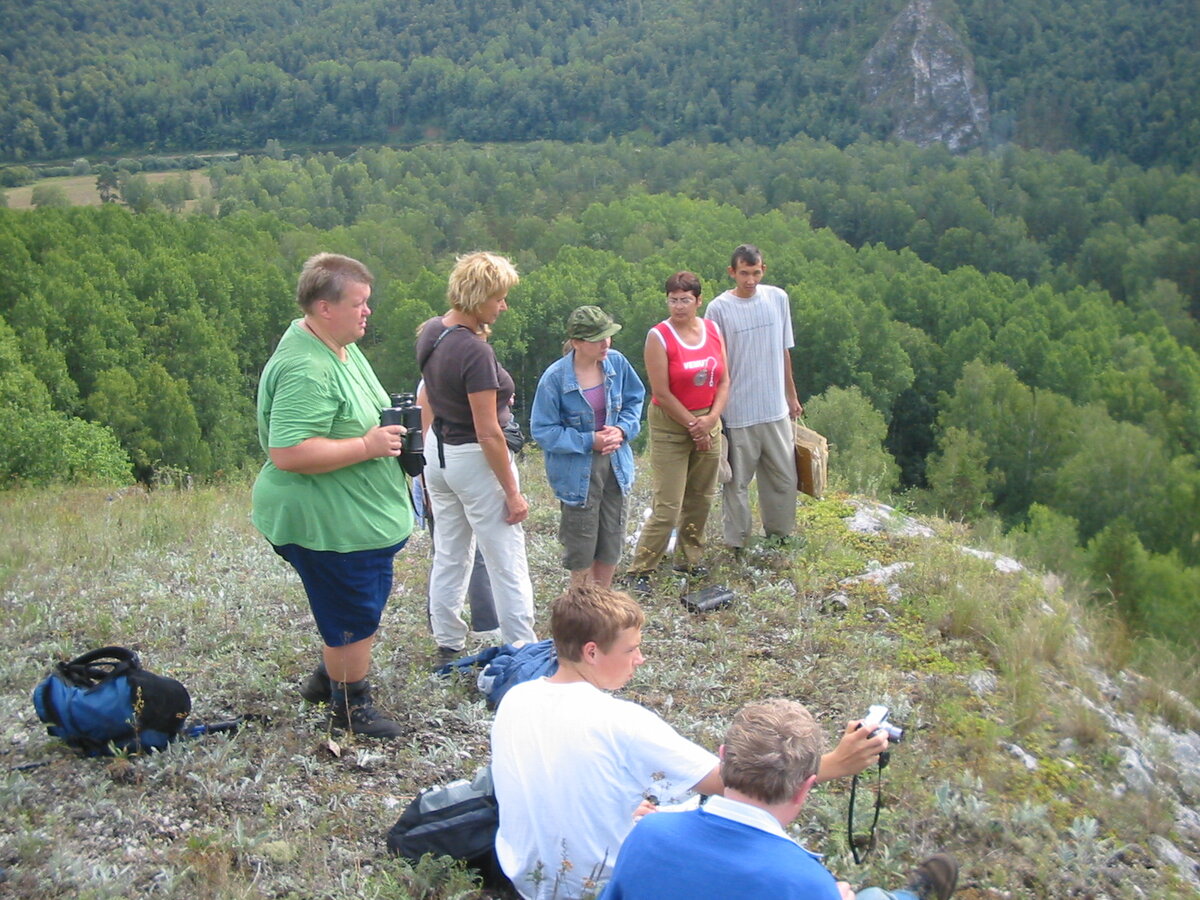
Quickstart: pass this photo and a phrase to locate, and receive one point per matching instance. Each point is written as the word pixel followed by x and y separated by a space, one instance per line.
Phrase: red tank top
pixel 692 372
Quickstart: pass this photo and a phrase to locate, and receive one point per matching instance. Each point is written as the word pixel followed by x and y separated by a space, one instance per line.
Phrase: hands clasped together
pixel 608 439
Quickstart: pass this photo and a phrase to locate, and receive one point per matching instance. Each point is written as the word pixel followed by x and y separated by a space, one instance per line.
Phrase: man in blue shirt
pixel 735 845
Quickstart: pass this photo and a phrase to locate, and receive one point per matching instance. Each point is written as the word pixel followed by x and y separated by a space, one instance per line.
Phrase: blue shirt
pixel 563 424
pixel 716 854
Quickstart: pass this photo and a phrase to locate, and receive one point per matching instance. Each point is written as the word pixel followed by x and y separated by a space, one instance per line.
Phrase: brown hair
pixel 771 749
pixel 684 281
pixel 324 277
pixel 589 612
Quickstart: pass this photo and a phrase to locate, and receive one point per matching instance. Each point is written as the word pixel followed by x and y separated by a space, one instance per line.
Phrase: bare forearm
pixel 857 749
pixel 495 451
pixel 722 397
pixel 318 455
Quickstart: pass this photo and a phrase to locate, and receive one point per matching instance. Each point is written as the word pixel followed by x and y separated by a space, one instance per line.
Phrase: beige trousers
pixel 685 482
pixel 768 451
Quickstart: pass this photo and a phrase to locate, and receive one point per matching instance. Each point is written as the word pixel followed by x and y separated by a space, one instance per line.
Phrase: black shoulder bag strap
pixel 96 666
pixel 421 363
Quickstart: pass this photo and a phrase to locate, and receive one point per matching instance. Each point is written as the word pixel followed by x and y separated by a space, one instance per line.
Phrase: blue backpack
pixel 104 701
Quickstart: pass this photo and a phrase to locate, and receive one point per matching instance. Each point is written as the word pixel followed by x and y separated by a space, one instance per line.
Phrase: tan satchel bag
pixel 812 461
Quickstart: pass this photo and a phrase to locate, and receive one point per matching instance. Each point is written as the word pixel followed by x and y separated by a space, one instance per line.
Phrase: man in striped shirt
pixel 755 320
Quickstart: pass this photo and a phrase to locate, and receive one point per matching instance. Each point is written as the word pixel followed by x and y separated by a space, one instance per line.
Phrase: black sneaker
pixel 935 878
pixel 696 571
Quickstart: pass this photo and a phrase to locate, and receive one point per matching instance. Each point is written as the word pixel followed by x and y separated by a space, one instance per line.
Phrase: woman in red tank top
pixel 689 380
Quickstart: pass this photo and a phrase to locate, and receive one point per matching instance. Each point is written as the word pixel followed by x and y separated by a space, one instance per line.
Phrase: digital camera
pixel 876 720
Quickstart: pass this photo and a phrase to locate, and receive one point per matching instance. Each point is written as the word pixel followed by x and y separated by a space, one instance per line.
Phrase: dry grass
pixel 81 189
pixel 969 660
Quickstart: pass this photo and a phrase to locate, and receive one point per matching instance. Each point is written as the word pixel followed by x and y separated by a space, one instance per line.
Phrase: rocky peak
pixel 922 74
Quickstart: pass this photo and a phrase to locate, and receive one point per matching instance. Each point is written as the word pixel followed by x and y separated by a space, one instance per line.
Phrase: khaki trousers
pixel 685 482
pixel 768 451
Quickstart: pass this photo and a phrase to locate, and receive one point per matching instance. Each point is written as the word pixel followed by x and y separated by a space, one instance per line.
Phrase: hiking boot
pixel 353 710
pixel 445 656
pixel 315 688
pixel 935 878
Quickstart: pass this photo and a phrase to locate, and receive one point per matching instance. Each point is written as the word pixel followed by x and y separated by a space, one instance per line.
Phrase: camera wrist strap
pixel 867 841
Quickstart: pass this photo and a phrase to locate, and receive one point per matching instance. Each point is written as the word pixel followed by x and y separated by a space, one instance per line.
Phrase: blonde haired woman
pixel 470 474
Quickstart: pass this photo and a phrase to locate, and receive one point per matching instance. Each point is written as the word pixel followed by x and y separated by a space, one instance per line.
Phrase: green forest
pixel 132 340
pixel 90 77
pixel 1007 336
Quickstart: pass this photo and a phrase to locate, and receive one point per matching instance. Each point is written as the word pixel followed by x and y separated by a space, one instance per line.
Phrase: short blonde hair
pixel 771 749
pixel 589 612
pixel 477 277
pixel 325 276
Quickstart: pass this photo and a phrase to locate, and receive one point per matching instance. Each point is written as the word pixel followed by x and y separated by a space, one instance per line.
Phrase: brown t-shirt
pixel 461 364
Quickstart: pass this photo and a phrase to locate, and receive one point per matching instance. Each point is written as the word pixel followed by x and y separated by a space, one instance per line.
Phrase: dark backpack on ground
pixel 104 701
pixel 458 820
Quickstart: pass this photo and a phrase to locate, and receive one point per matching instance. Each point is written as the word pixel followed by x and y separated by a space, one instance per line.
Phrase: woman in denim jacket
pixel 587 409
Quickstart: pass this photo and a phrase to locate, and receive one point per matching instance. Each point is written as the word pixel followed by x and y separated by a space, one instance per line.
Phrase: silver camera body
pixel 876 720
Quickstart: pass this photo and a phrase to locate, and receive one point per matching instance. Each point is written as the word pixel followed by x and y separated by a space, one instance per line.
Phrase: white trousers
pixel 468 508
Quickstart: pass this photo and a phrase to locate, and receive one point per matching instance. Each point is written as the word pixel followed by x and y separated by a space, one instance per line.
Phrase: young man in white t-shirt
pixel 572 765
pixel 756 322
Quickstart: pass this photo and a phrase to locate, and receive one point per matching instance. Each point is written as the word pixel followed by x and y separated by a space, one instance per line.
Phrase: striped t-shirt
pixel 758 334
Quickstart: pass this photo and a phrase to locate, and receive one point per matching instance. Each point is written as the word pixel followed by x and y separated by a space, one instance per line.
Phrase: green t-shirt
pixel 306 391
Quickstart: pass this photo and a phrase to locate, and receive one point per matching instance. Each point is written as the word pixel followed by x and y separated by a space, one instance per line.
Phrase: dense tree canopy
pixel 1120 78
pixel 1052 400
pixel 153 327
pixel 1133 232
pixel 157 326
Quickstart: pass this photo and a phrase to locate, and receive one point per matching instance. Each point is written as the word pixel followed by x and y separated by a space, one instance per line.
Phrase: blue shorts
pixel 346 591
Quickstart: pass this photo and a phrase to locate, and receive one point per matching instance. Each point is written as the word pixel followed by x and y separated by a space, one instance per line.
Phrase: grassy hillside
pixel 975 658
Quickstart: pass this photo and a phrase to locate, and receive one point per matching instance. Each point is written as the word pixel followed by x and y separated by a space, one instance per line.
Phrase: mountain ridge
pixel 1117 79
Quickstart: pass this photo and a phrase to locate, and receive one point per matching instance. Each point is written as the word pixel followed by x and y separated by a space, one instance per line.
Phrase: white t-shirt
pixel 570 765
pixel 758 334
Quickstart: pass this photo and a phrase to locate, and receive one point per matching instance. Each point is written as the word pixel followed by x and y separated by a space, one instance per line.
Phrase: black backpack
pixel 458 820
pixel 104 701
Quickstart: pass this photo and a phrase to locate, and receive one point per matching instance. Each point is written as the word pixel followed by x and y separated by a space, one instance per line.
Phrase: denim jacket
pixel 563 424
